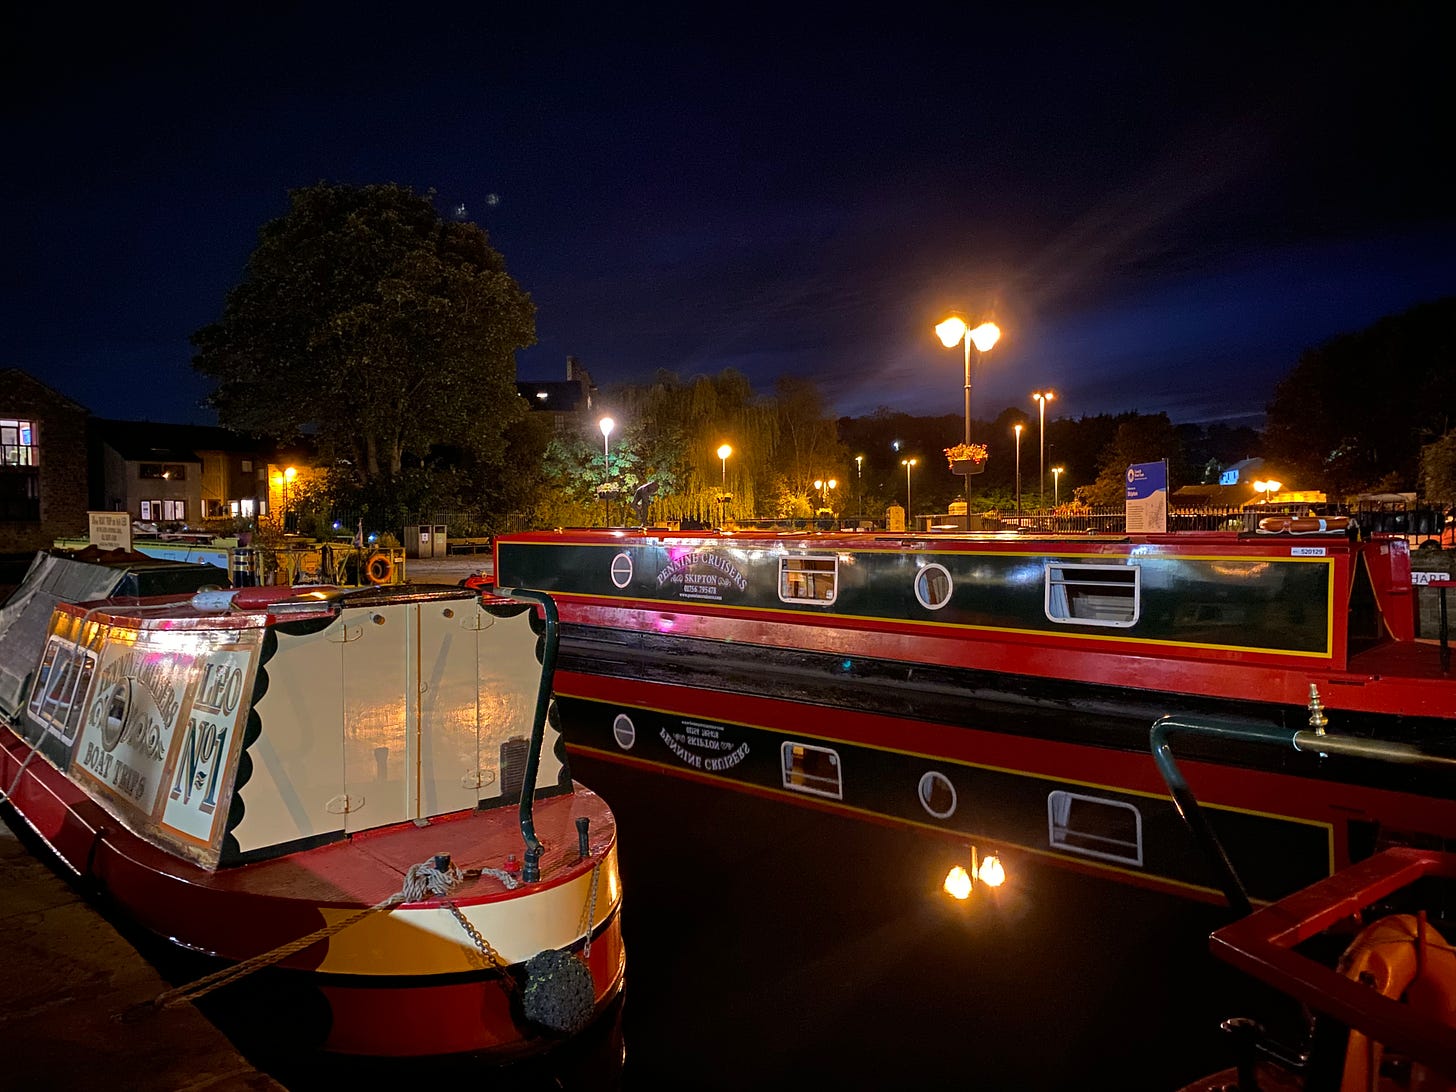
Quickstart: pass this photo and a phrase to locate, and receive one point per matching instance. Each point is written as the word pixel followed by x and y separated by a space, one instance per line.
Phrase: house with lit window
pixel 177 474
pixel 42 464
pixel 569 401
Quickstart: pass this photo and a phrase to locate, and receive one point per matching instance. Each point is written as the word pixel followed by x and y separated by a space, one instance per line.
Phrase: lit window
pixel 17 443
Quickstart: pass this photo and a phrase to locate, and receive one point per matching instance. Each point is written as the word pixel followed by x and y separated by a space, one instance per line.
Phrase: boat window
pixel 933 586
pixel 1093 595
pixel 811 769
pixel 937 794
pixel 808 579
pixel 1093 826
pixel 624 731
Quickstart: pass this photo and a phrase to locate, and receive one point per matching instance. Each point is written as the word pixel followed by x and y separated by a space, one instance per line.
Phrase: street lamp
pixel 859 482
pixel 607 424
pixel 1265 488
pixel 288 475
pixel 907 464
pixel 1056 483
pixel 953 330
pixel 1042 398
pixel 1019 427
pixel 724 450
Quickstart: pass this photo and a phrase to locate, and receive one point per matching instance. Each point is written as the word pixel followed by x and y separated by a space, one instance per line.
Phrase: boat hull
pixel 957 686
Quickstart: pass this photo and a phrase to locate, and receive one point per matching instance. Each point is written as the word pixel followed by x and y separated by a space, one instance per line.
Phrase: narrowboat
pixel 999 688
pixel 361 792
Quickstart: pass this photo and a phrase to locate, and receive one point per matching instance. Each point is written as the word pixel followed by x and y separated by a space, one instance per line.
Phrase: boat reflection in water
pixel 774 946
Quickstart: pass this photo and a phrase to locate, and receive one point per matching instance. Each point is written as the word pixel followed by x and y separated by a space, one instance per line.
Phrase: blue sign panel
pixel 1145 479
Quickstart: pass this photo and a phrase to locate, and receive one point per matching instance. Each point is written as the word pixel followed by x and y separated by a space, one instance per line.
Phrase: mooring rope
pixel 421 881
pixel 8 793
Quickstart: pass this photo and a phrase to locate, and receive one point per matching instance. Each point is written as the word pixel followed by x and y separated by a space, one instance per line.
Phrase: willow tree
pixel 366 319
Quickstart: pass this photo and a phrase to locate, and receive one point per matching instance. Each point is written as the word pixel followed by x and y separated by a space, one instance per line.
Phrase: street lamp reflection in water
pixel 988 871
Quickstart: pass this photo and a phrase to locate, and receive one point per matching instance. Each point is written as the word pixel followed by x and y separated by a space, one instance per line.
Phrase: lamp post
pixel 953 330
pixel 1056 485
pixel 724 450
pixel 288 475
pixel 1042 398
pixel 1264 488
pixel 1019 428
pixel 907 464
pixel 607 424
pixel 859 482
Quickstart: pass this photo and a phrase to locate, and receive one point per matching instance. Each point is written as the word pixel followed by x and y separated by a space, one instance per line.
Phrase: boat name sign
pixel 686 572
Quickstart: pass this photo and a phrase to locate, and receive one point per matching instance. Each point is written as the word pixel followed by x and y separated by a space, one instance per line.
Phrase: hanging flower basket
pixel 966 459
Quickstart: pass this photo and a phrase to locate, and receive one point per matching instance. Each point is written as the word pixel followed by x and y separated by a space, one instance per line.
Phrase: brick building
pixel 43 472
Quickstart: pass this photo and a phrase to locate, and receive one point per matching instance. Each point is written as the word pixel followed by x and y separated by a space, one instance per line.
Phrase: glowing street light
pixel 288 475
pixel 1264 488
pixel 606 424
pixel 907 464
pixel 859 482
pixel 1056 483
pixel 954 330
pixel 823 487
pixel 1042 398
pixel 724 450
pixel 1019 428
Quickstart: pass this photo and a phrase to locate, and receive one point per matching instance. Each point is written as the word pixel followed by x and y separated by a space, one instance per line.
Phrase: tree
pixel 1358 408
pixel 1438 471
pixel 365 318
pixel 1140 438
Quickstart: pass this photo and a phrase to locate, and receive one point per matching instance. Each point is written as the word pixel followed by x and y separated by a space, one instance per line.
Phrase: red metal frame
pixel 1263 943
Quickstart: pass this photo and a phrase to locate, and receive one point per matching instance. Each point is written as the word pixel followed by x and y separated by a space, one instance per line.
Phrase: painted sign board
pixel 110 530
pixel 152 721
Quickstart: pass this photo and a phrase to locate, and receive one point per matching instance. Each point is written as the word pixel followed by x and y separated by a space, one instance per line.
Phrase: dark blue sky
pixel 1161 206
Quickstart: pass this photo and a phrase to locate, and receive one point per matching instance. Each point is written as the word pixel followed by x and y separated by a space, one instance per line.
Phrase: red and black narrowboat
pixel 1000 688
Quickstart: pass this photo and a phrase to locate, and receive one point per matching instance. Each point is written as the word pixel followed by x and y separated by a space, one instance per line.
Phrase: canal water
pixel 772 945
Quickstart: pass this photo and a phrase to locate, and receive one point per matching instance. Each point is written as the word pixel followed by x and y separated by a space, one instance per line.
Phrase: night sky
pixel 1161 206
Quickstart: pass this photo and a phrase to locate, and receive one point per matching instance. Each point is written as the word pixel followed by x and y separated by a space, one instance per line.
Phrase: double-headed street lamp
pixel 907 464
pixel 1042 398
pixel 607 424
pixel 1056 485
pixel 953 330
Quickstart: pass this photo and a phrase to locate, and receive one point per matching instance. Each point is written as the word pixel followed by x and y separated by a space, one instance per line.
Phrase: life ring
pixel 1405 959
pixel 1303 525
pixel 380 569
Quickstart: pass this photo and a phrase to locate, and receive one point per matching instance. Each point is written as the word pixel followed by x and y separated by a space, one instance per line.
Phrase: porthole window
pixel 937 795
pixel 624 731
pixel 933 586
pixel 622 570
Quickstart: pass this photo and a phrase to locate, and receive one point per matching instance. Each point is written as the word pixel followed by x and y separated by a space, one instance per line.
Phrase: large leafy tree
pixel 1355 411
pixel 366 319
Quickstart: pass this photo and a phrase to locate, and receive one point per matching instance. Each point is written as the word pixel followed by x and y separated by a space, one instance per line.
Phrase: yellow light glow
pixel 833 484
pixel 290 474
pixel 985 335
pixel 607 424
pixel 951 331
pixel 992 874
pixel 724 451
pixel 958 883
